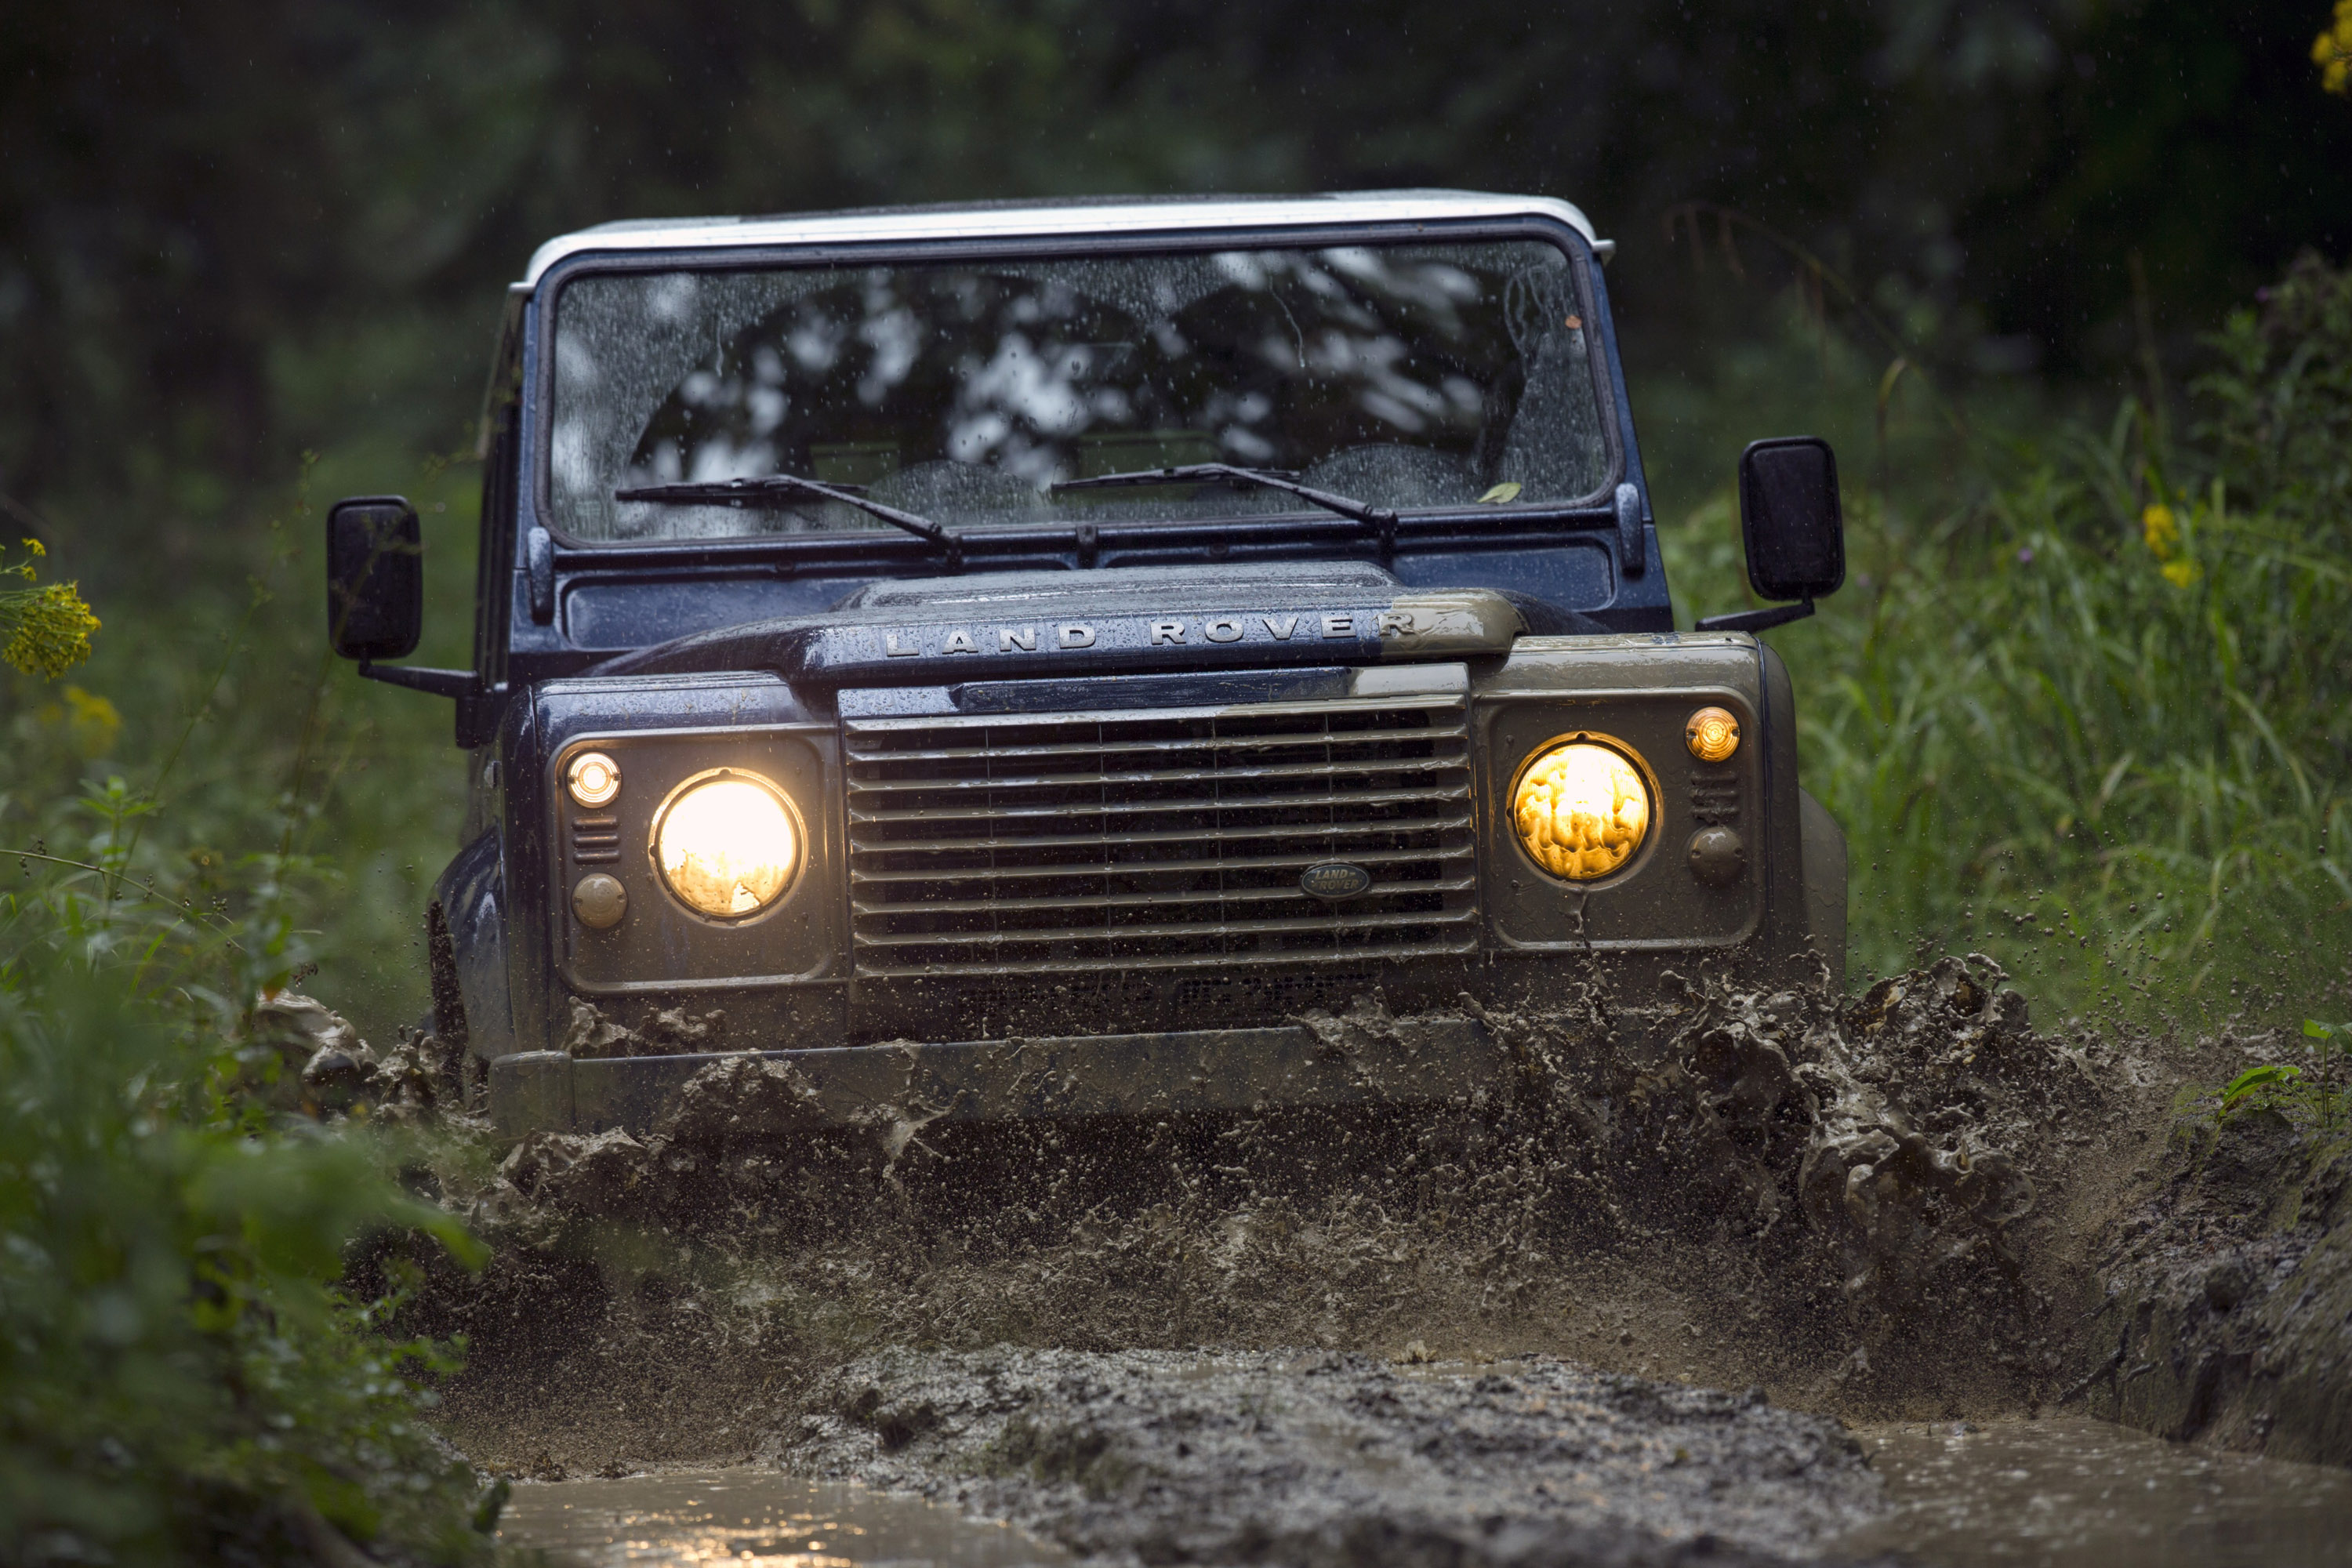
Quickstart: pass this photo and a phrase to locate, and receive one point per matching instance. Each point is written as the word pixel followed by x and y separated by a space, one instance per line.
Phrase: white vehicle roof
pixel 1050 219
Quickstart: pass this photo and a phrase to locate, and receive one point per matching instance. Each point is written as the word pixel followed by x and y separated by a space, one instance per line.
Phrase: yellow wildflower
pixel 2159 528
pixel 44 630
pixel 48 629
pixel 2332 52
pixel 2181 573
pixel 92 721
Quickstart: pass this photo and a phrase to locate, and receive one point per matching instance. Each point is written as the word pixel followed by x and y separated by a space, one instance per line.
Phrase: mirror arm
pixel 1754 620
pixel 439 683
pixel 1633 555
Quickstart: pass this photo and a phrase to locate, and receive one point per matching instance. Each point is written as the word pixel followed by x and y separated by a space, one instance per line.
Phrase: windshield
pixel 1401 376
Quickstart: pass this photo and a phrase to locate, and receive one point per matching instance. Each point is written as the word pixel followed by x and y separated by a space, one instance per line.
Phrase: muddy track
pixel 1880 1207
pixel 1238 1457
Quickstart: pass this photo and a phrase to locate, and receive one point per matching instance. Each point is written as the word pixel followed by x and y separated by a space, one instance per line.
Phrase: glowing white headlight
pixel 726 845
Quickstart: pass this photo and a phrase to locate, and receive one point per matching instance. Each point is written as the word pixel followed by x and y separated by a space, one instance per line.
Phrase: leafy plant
pixel 2265 1082
pixel 182 1374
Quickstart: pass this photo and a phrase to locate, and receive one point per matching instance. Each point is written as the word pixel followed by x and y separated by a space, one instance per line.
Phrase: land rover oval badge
pixel 1334 880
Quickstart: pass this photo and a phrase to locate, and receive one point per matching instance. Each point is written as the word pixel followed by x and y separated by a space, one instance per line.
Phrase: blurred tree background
pixel 251 255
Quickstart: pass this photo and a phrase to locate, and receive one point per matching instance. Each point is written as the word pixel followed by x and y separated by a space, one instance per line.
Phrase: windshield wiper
pixel 787 486
pixel 1382 521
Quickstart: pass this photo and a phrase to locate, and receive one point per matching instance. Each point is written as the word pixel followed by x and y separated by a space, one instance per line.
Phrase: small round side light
pixel 593 778
pixel 600 902
pixel 1712 734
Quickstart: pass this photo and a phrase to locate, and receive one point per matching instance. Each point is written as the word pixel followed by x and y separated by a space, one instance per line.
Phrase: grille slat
pixel 595 840
pixel 1295 862
pixel 1160 775
pixel 1038 843
pixel 1236 895
pixel 1043 935
pixel 1339 829
pixel 985 811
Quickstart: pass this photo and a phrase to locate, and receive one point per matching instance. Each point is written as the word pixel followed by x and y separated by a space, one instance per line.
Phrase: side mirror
pixel 1793 526
pixel 375 577
pixel 1790 518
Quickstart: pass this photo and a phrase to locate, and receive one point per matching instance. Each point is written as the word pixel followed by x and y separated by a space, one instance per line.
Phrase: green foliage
pixel 2082 701
pixel 182 1375
pixel 2270 1077
pixel 216 760
pixel 233 233
pixel 2314 1094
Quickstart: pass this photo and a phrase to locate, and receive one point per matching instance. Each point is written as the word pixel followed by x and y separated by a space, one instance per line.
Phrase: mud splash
pixel 1876 1206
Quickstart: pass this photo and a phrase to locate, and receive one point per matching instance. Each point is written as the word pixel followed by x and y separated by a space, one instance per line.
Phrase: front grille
pixel 1163 839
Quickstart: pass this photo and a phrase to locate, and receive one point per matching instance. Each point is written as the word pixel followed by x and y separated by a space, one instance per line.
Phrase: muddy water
pixel 751 1519
pixel 2060 1493
pixel 2085 1494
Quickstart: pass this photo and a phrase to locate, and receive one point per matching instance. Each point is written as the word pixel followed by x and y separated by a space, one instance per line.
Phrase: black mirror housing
pixel 375 577
pixel 1790 518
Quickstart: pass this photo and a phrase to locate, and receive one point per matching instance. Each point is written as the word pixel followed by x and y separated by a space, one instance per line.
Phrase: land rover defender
pixel 1040 659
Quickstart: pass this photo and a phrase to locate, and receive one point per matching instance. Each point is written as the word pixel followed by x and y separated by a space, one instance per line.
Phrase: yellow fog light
pixel 726 845
pixel 1712 734
pixel 593 778
pixel 1582 809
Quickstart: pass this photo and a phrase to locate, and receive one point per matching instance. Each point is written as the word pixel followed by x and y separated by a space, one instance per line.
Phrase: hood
pixel 1019 624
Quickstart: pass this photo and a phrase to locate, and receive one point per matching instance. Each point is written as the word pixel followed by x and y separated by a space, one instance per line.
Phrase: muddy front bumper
pixel 1406 1062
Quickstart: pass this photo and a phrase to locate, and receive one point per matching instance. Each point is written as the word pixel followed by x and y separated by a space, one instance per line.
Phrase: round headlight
pixel 726 845
pixel 1582 809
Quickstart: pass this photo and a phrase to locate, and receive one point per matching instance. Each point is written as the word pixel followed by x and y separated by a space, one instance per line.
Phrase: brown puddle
pixel 2074 1493
pixel 751 1519
pixel 2055 1493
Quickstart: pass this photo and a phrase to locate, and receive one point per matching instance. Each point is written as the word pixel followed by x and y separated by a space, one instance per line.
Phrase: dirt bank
pixel 2227 1312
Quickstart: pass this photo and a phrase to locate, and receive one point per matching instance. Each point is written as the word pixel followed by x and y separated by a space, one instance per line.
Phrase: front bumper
pixel 1404 1062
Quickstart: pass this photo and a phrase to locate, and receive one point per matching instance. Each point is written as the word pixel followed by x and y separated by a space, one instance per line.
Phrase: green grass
pixel 2104 743
pixel 266 773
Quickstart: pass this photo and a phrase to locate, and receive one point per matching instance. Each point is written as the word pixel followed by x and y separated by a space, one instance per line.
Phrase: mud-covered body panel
pixel 793 978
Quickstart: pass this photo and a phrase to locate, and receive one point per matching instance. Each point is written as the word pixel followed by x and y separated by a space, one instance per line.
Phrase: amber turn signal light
pixel 1712 734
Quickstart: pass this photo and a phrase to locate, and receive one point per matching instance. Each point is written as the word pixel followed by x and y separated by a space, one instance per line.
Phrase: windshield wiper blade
pixel 788 487
pixel 1381 518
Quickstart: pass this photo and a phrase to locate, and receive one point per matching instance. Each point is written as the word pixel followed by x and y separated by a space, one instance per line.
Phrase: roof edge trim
pixel 1052 220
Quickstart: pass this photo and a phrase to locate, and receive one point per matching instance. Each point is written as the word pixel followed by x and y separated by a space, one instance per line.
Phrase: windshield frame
pixel 891 552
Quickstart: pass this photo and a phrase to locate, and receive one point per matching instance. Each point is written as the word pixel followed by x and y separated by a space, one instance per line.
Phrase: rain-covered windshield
pixel 1404 376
